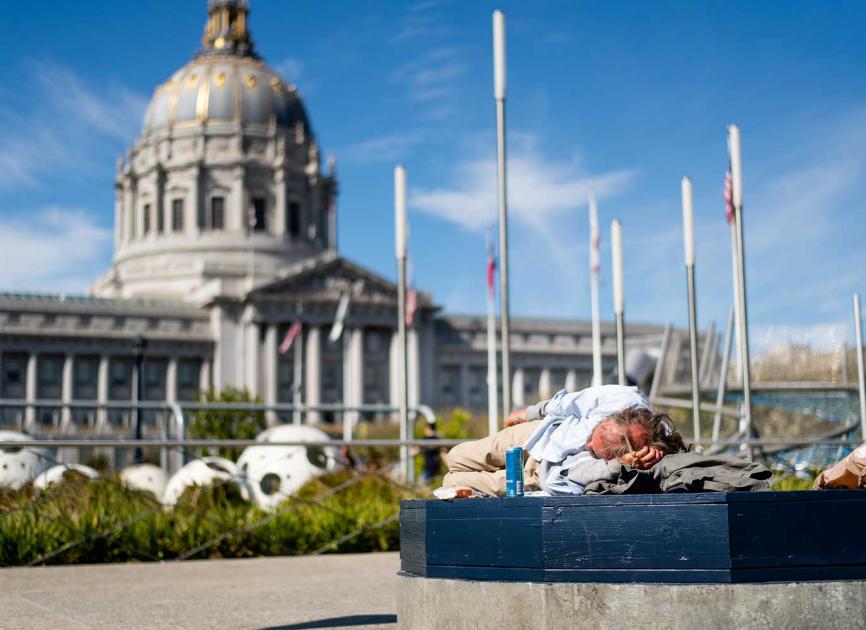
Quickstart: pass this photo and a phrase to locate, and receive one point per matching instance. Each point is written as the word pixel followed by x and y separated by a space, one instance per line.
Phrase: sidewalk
pixel 335 591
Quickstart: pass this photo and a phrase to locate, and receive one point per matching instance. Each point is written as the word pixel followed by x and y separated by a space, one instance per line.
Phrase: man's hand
pixel 645 458
pixel 516 417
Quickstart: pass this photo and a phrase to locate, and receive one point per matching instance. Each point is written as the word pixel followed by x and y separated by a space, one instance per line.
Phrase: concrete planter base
pixel 427 603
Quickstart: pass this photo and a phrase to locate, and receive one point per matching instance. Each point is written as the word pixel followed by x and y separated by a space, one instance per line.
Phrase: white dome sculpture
pixel 56 474
pixel 203 472
pixel 146 478
pixel 224 183
pixel 19 466
pixel 275 473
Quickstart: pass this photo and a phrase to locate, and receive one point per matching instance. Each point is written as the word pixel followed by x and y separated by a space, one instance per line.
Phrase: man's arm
pixel 527 414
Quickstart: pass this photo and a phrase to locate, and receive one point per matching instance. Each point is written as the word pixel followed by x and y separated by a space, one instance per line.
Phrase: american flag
pixel 729 197
pixel 491 269
pixel 411 306
pixel 294 331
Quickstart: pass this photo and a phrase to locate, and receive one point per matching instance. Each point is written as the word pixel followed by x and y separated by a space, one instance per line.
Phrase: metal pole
pixel 693 346
pixel 737 181
pixel 492 373
pixel 400 241
pixel 723 375
pixel 594 268
pixel 618 301
pixel 499 95
pixel 298 369
pixel 660 363
pixel 861 379
pixel 138 354
pixel 705 354
pixel 689 249
pixel 735 273
pixel 620 348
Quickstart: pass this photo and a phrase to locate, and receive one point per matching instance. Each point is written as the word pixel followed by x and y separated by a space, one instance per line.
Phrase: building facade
pixel 225 235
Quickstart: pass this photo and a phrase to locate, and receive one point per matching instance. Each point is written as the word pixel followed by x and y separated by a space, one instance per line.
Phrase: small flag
pixel 294 331
pixel 411 306
pixel 729 197
pixel 339 318
pixel 491 269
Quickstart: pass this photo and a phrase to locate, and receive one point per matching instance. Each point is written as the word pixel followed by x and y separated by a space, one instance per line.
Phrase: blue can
pixel 514 472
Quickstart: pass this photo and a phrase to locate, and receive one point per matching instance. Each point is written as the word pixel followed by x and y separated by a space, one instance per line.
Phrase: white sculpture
pixel 145 477
pixel 55 474
pixel 19 466
pixel 203 472
pixel 275 473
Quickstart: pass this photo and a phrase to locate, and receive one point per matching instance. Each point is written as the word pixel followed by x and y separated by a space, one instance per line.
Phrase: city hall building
pixel 225 234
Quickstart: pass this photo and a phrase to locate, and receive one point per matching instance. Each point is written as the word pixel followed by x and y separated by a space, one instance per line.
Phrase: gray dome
pixel 225 89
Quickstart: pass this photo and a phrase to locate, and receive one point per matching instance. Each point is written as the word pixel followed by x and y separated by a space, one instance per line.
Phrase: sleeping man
pixel 570 441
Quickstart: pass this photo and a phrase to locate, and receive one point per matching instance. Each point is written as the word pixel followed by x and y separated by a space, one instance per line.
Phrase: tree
pixel 228 424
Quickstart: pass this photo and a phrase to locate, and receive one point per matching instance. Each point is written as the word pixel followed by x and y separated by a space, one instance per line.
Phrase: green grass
pixel 109 523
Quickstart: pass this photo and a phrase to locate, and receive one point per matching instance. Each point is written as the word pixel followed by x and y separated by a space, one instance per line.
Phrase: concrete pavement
pixel 335 591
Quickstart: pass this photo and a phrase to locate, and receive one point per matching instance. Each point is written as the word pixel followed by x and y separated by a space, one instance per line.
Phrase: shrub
pixel 231 424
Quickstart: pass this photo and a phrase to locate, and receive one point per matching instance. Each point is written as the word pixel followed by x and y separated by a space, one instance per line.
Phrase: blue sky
pixel 632 95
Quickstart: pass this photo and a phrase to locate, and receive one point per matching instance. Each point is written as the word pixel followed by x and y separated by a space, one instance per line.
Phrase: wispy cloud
pixel 431 80
pixel 62 126
pixel 290 68
pixel 420 20
pixel 381 149
pixel 58 249
pixel 546 204
pixel 540 189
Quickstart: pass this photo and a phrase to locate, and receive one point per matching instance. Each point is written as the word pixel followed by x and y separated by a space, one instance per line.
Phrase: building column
pixel 544 384
pixel 517 389
pixel 353 374
pixel 414 369
pixel 252 353
pixel 313 372
pixel 30 393
pixel 204 382
pixel 195 209
pixel 171 380
pixel 394 374
pixel 102 393
pixel 571 380
pixel 270 393
pixel 66 392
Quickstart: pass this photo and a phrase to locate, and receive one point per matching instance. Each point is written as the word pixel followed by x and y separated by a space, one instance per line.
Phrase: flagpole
pixel 400 252
pixel 618 301
pixel 594 267
pixel 737 194
pixel 499 95
pixel 735 274
pixel 298 370
pixel 689 245
pixel 492 377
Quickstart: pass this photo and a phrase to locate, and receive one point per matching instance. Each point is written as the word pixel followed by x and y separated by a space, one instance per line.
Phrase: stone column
pixel 102 393
pixel 194 208
pixel 66 393
pixel 30 392
pixel 171 380
pixel 571 381
pixel 353 374
pixel 118 217
pixel 464 385
pixel 517 389
pixel 544 384
pixel 313 372
pixel 204 381
pixel 394 374
pixel 279 211
pixel 270 393
pixel 251 352
pixel 414 369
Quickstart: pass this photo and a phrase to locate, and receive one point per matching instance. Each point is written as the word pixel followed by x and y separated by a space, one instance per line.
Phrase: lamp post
pixel 499 96
pixel 618 302
pixel 689 245
pixel 138 348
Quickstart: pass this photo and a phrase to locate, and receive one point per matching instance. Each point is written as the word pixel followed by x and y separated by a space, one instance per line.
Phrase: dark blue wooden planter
pixel 674 538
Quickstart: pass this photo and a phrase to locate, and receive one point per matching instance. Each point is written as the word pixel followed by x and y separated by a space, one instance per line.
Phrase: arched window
pixel 177 215
pixel 217 213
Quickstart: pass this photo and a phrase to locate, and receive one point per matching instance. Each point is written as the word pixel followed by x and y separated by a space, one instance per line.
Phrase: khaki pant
pixel 480 464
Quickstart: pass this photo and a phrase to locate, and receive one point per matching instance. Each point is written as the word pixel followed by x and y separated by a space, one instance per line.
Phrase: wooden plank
pixel 798 533
pixel 636 537
pixel 413 536
pixel 485 536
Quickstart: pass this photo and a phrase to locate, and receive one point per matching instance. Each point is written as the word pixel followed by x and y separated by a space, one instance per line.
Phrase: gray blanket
pixel 687 472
